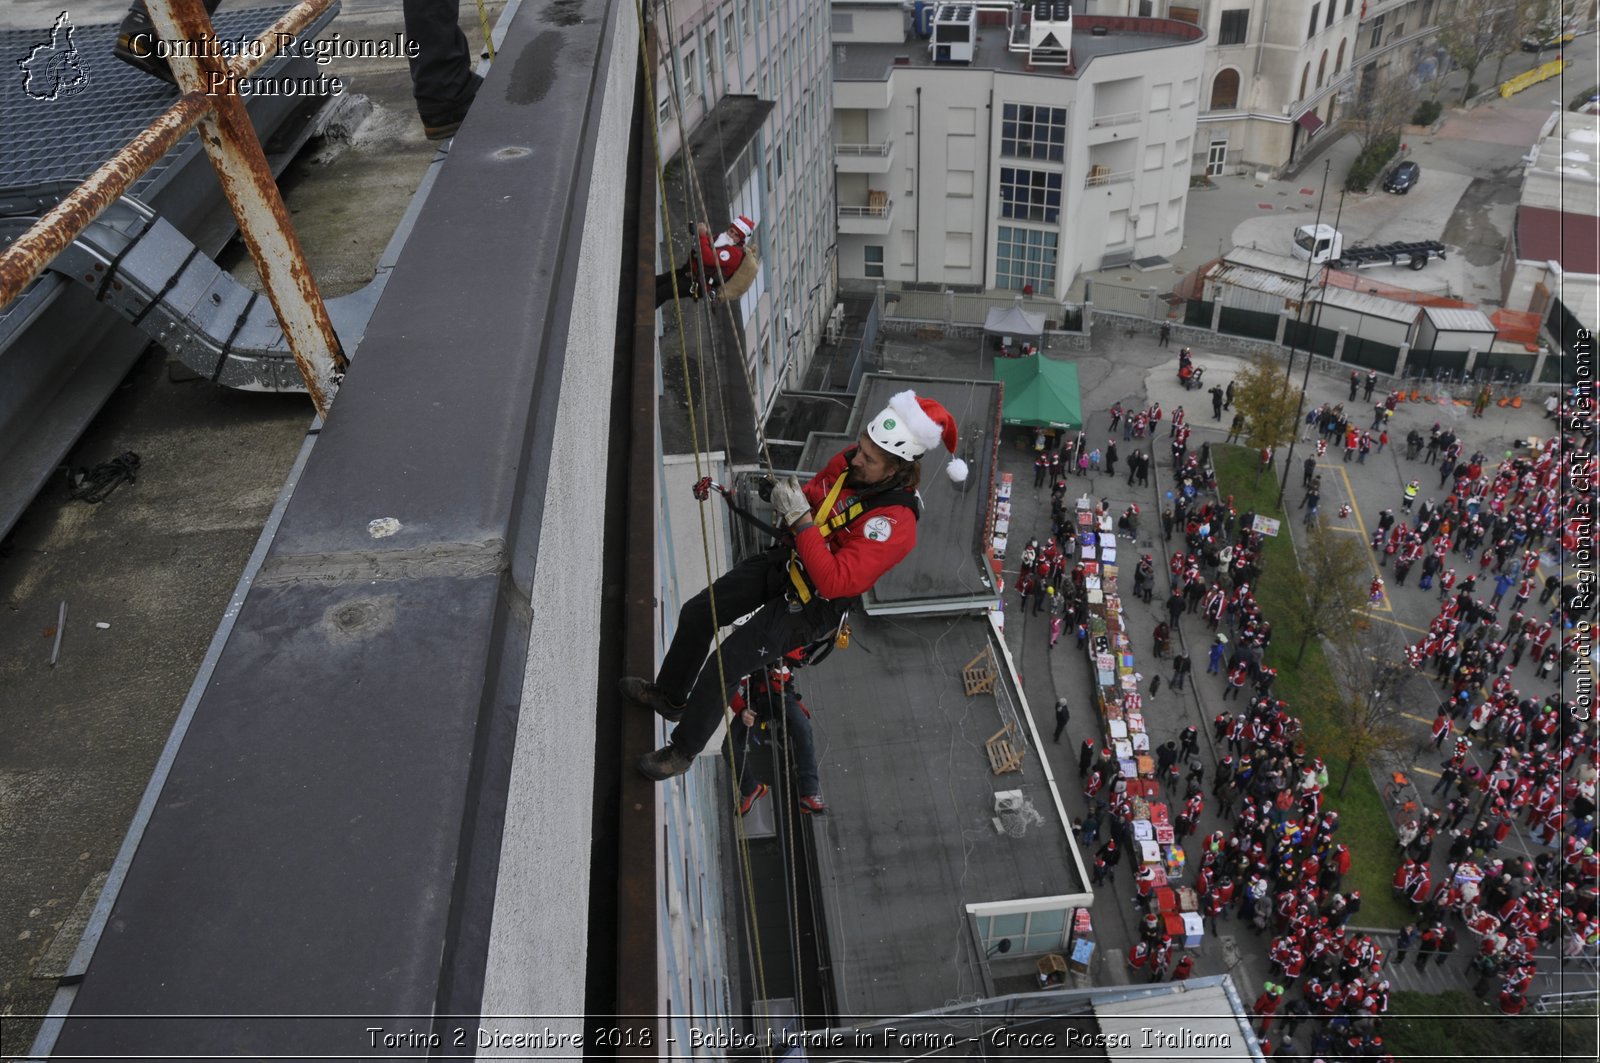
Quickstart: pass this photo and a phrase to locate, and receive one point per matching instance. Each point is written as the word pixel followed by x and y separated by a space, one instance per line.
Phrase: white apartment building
pixel 1008 147
pixel 776 50
pixel 1276 74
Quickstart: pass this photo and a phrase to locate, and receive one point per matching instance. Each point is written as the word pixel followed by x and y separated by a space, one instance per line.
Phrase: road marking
pixel 1425 771
pixel 1387 620
pixel 1414 716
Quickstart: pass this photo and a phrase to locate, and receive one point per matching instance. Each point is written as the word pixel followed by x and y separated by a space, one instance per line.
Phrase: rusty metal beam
pixel 32 252
pixel 230 141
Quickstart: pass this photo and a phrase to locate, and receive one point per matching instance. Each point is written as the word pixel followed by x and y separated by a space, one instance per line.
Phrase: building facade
pixel 1012 149
pixel 1275 76
pixel 776 50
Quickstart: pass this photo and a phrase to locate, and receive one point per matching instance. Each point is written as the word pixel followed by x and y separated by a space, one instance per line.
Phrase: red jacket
pixel 850 560
pixel 719 263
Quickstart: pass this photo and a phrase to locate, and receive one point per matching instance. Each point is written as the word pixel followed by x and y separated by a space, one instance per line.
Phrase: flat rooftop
pixel 946 569
pixel 857 61
pixel 911 840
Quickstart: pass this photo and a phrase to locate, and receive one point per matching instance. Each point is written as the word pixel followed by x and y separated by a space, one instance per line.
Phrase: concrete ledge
pixel 380 749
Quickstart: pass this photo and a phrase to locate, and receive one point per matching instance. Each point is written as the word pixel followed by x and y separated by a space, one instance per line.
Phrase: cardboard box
pixel 1188 899
pixel 1166 900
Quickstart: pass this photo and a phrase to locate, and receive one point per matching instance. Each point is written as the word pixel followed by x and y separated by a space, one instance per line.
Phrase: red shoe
pixel 750 799
pixel 813 804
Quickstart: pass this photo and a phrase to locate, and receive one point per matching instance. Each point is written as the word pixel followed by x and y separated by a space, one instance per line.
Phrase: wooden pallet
pixel 980 673
pixel 1005 750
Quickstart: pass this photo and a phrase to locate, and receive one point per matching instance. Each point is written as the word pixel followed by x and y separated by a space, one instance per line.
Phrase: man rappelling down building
pixel 854 521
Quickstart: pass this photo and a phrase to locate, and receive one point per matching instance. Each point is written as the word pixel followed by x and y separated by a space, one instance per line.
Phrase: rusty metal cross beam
pixel 230 142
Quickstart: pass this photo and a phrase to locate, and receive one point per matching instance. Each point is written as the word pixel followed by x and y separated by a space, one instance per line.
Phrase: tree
pixel 1381 108
pixel 1333 575
pixel 1268 401
pixel 1366 702
pixel 1476 30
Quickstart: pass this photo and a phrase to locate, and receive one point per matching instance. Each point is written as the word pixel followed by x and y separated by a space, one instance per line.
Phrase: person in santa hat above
pixel 853 522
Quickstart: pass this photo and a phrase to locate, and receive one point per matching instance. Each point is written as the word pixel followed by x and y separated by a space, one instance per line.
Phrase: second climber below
pixel 854 521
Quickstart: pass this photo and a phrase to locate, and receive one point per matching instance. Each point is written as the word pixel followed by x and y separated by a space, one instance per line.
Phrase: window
pixel 1029 132
pixel 664 111
pixel 1322 67
pixel 1025 257
pixel 711 59
pixel 1377 32
pixel 1332 6
pixel 1225 90
pixel 1235 26
pixel 691 75
pixel 1427 12
pixel 1305 81
pixel 1030 195
pixel 872 260
pixel 1338 63
pixel 729 39
pixel 1349 5
pixel 843 22
pixel 1316 9
pixel 1187 14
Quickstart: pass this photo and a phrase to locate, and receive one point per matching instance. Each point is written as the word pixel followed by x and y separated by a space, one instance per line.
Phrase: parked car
pixel 1552 35
pixel 1403 178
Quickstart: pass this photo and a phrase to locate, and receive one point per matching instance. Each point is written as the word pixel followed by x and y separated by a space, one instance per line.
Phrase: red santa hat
pixel 909 426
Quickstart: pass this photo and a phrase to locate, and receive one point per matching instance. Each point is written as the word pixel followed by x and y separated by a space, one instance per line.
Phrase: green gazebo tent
pixel 1039 392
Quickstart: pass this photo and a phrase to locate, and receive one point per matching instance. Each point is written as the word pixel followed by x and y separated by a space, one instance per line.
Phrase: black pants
pixel 442 80
pixel 664 285
pixel 687 674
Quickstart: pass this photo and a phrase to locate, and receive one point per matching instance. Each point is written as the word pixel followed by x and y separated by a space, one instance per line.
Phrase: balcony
pixel 871 219
pixel 1100 175
pixel 863 158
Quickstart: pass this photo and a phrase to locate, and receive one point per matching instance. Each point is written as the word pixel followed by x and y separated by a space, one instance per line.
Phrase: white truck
pixel 1325 244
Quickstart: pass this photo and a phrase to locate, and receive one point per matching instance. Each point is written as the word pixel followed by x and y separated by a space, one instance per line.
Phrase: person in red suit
pixel 854 521
pixel 713 264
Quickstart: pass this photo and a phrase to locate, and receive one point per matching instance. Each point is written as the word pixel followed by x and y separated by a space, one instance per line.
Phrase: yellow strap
pixel 827 503
pixel 801 589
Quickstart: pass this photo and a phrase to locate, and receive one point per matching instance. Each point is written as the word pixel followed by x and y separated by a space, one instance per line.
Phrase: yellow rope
pixel 483 23
pixel 747 874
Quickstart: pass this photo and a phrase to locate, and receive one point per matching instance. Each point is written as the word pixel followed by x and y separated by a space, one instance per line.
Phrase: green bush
pixel 1583 97
pixel 1427 112
pixel 1370 163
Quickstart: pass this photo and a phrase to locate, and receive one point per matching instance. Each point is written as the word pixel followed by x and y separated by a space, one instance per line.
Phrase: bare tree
pixel 1476 30
pixel 1367 703
pixel 1332 573
pixel 1381 108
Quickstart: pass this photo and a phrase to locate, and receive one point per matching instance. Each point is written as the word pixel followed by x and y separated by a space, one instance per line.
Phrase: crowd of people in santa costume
pixel 1281 869
pixel 1537 756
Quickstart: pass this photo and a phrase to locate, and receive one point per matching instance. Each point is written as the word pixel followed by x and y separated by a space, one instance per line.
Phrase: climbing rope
pixel 746 871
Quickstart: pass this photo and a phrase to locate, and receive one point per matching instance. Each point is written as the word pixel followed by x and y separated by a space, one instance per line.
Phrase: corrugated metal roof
pixel 1283 265
pixel 1447 319
pixel 1371 305
pixel 1257 280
